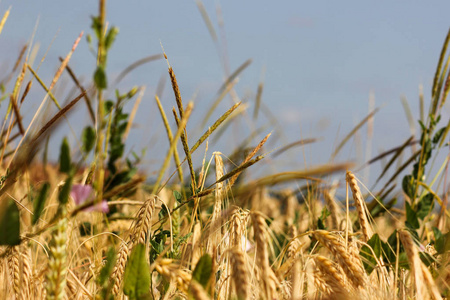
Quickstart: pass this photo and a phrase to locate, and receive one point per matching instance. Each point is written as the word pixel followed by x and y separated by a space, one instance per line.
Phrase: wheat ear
pixel 348 260
pixel 360 206
pixel 57 265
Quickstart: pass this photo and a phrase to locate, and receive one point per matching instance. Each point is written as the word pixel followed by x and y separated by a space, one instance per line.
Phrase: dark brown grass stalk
pixel 360 205
pixel 82 89
pixel 185 144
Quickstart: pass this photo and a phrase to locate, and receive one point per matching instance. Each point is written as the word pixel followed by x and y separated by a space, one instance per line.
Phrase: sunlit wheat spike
pixel 333 208
pixel 216 233
pixel 349 262
pixel 360 206
pixel 415 264
pixel 119 268
pixel 57 264
pixel 332 277
pixel 240 273
pixel 268 280
pixel 142 228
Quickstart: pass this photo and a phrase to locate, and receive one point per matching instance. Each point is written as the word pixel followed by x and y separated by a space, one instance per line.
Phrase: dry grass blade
pixel 136 64
pixel 4 18
pixel 397 151
pixel 57 116
pixel 165 165
pixel 305 174
pixel 133 112
pixel 258 100
pixel 294 144
pixel 176 157
pixel 207 20
pixel 239 169
pixel 353 131
pixel 214 127
pixel 217 101
pixel 444 135
pixel 235 74
pixel 44 86
pixel 409 115
pixel 400 169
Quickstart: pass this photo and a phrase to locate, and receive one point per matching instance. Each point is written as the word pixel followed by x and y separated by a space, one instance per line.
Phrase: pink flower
pixel 81 193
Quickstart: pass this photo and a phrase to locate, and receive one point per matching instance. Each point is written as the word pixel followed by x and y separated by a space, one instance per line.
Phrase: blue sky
pixel 321 60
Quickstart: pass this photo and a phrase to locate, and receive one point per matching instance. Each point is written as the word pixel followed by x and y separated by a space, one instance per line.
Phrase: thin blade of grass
pixel 394 157
pixel 181 126
pixel 214 127
pixel 409 115
pixel 437 75
pixel 294 144
pixel 235 74
pixel 44 86
pixel 4 18
pixel 185 144
pixel 207 20
pixel 133 112
pixel 400 169
pixel 136 64
pixel 249 157
pixel 176 157
pixel 218 100
pixel 351 133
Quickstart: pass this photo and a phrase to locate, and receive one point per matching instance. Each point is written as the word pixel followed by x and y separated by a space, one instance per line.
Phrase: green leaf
pixel 106 271
pixel 411 217
pixel 425 206
pixel 111 37
pixel 100 78
pixel 177 196
pixel 408 186
pixel 88 138
pixel 10 225
pixel 438 135
pixel 137 275
pixel 64 193
pixel 97 26
pixel 203 270
pixel 369 260
pixel 64 157
pixel 39 202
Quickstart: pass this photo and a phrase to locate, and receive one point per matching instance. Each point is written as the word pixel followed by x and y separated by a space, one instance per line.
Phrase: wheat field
pixel 92 225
